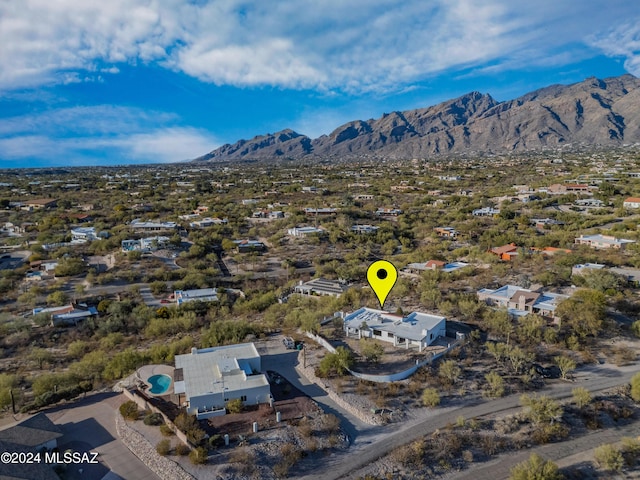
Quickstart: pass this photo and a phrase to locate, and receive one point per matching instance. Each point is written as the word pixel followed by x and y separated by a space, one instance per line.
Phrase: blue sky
pixel 139 81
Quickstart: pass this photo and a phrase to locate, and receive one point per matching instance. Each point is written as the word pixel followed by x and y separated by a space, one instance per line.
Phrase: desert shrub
pixel 153 419
pixel 549 433
pixel 289 455
pixel 190 426
pixel 581 397
pixel 467 456
pixel 166 430
pixel 335 363
pixel 243 460
pixel 182 449
pixel 330 423
pixel 198 456
pixel 305 429
pixel 216 441
pixel 608 457
pixel 430 397
pixel 411 455
pixel 630 450
pixel 635 387
pixel 490 444
pixel 536 468
pixel 623 356
pixel 234 406
pixel 129 410
pixel 495 385
pixel 163 447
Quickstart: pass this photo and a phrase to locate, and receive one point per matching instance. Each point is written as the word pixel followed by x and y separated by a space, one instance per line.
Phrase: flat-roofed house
pixel 199 294
pixel 321 287
pixel 210 377
pixel 305 231
pixel 415 330
pixel 599 241
pixel 68 314
pixel 39 204
pixel 151 226
pixel 83 234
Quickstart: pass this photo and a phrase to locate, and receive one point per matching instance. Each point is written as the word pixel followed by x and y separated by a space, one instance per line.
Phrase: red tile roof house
pixel 631 202
pixel 506 252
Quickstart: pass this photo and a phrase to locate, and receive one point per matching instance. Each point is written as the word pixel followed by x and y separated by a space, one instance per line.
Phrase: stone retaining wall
pixel 144 405
pixel 141 448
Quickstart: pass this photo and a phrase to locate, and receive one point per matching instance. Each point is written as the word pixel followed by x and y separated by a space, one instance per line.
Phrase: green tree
pixel 40 356
pixel 430 397
pixel 499 323
pixel 450 371
pixel 371 350
pixel 581 397
pixel 541 409
pixel 536 468
pixel 583 313
pixel 566 365
pixel 531 328
pixel 495 384
pixel 336 363
pixel 57 298
pixel 158 287
pixel 518 358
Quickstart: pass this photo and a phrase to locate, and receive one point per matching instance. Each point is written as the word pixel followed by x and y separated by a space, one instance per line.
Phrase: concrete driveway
pixel 277 358
pixel 89 425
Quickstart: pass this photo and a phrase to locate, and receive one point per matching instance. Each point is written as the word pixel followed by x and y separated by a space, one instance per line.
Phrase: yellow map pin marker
pixel 382 276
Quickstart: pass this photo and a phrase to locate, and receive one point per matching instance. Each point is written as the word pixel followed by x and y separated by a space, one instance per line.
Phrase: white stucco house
pixel 415 330
pixel 210 377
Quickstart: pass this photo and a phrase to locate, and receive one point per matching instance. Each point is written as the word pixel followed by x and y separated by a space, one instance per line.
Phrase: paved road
pixel 370 446
pixel 89 424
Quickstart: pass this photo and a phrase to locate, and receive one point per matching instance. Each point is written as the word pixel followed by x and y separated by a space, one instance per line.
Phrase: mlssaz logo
pixel 71 457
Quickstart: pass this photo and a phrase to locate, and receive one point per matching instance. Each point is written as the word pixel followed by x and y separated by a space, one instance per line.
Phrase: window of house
pixel 431 336
pixel 377 333
pixel 243 398
pixel 390 335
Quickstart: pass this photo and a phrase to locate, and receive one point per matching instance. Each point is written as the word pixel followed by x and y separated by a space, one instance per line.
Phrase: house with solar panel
pixel 210 377
pixel 416 330
pixel 321 287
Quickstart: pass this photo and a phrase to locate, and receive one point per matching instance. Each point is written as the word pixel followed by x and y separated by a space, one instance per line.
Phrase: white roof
pixel 413 327
pixel 207 371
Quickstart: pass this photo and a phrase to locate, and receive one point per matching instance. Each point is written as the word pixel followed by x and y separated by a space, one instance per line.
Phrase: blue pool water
pixel 159 384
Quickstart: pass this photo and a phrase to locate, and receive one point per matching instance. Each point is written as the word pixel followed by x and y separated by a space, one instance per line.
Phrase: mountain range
pixel 593 112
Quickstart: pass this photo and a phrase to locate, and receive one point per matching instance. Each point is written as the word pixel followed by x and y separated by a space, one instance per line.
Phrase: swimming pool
pixel 159 384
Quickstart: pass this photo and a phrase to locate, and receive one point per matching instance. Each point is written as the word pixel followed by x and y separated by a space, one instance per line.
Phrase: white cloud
pixel 358 46
pixel 622 41
pixel 88 134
